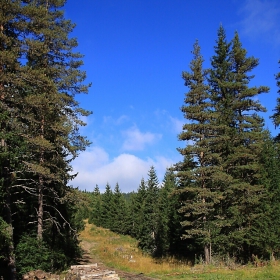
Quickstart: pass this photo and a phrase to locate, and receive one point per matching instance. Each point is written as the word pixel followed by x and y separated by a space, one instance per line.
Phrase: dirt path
pixel 89 258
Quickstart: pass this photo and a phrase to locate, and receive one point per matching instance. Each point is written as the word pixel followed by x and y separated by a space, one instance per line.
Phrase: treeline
pixel 39 137
pixel 150 215
pixel 221 202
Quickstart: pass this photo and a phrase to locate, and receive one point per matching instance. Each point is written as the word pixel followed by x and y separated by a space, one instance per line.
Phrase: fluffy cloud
pixel 135 140
pixel 95 168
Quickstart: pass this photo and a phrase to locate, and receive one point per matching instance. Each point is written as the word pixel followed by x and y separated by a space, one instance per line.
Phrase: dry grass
pixel 121 252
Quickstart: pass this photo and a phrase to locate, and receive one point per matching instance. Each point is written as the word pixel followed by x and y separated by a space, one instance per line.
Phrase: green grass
pixel 116 251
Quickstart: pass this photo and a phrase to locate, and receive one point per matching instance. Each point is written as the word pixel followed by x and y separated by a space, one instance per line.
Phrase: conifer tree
pixel 168 222
pixel 149 228
pixel 51 113
pixel 239 142
pixel 11 144
pixel 119 212
pixel 137 210
pixel 40 118
pixel 195 173
pixel 265 231
pixel 106 209
pixel 95 216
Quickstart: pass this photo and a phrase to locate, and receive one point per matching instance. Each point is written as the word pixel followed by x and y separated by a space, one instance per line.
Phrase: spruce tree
pixel 264 233
pixel 95 215
pixel 119 212
pixel 195 173
pixel 106 209
pixel 137 210
pixel 239 143
pixel 149 228
pixel 168 222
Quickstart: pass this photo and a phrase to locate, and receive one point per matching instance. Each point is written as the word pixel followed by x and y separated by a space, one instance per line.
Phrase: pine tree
pixel 168 222
pixel 137 210
pixel 149 229
pixel 119 212
pixel 40 118
pixel 241 139
pixel 106 219
pixel 11 144
pixel 95 216
pixel 196 172
pixel 51 114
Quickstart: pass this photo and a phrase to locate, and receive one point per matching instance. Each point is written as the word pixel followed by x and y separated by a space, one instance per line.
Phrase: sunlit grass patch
pixel 121 252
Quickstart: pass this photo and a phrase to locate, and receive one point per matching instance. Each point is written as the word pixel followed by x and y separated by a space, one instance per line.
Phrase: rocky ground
pixel 89 259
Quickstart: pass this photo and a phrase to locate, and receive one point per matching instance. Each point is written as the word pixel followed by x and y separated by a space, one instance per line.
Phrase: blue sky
pixel 135 52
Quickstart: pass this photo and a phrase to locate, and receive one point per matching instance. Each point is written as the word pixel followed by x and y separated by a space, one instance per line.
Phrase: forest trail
pixel 88 257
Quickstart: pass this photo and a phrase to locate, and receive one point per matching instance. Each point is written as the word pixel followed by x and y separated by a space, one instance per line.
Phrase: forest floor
pixel 121 254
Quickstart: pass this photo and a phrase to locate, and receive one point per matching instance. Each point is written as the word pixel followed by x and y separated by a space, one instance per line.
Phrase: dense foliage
pixel 39 136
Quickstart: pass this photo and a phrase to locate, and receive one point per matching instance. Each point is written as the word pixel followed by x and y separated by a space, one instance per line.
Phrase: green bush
pixel 32 254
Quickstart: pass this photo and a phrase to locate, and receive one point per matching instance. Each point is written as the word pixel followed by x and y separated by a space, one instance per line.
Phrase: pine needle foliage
pixel 219 177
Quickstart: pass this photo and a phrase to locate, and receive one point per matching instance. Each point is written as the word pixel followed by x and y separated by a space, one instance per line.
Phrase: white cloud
pixel 93 157
pixel 95 167
pixel 261 19
pixel 135 140
pixel 177 125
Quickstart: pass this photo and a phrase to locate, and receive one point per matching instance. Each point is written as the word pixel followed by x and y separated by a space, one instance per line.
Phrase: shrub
pixel 32 254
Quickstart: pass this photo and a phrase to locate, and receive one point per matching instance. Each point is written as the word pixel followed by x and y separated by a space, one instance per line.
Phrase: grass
pixel 121 252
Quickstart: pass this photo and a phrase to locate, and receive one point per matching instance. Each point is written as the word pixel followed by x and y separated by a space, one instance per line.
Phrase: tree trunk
pixel 207 254
pixel 40 209
pixel 40 190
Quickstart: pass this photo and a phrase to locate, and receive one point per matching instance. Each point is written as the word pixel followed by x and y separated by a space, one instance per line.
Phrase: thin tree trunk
pixel 40 191
pixel 40 209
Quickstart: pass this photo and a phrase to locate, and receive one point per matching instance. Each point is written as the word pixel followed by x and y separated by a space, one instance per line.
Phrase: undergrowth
pixel 121 252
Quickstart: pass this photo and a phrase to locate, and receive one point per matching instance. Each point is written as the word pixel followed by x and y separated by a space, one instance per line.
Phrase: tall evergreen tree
pixel 51 113
pixel 119 212
pixel 137 210
pixel 239 144
pixel 149 228
pixel 11 144
pixel 168 222
pixel 218 178
pixel 195 173
pixel 95 216
pixel 40 118
pixel 106 209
